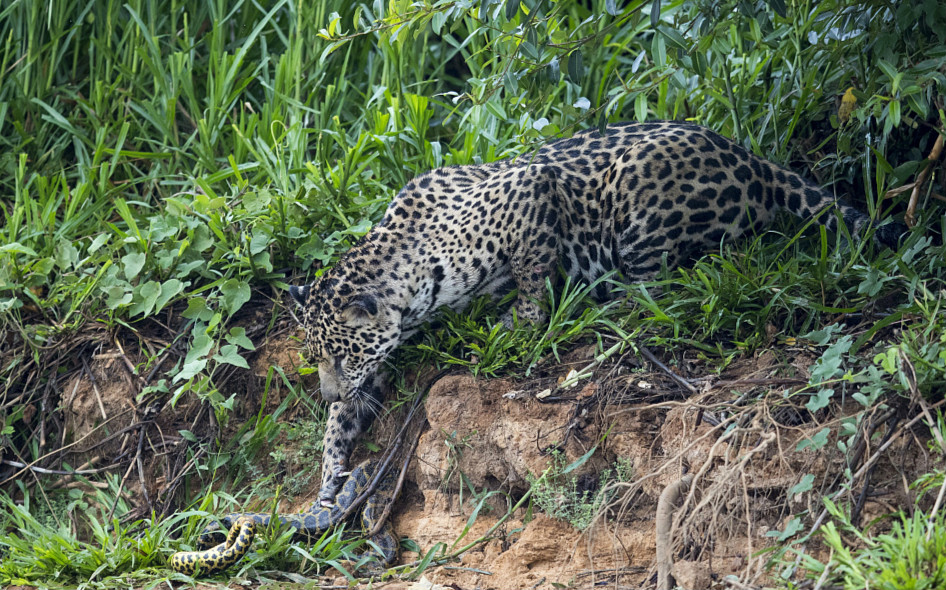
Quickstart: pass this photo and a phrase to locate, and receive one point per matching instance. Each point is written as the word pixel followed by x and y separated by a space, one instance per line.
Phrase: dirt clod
pixel 692 575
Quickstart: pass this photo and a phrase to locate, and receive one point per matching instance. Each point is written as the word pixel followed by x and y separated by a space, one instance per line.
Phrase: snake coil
pixel 217 552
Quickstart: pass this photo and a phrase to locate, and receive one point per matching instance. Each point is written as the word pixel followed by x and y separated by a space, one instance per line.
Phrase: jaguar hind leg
pixel 532 244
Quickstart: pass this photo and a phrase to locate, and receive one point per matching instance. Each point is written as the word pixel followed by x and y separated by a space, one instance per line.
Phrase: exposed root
pixel 666 505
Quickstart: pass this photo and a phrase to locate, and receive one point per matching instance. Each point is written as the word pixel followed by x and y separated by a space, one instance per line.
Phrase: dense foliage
pixel 171 161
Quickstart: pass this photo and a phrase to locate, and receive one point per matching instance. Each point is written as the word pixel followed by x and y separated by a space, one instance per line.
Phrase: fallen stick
pixel 910 216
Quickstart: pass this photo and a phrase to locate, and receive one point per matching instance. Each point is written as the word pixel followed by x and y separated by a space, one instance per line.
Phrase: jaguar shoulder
pixel 592 204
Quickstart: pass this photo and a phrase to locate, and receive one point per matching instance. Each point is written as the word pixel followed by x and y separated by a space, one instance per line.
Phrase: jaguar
pixel 630 199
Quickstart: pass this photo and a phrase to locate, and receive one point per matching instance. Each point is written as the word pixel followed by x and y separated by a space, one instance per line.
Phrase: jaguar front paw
pixel 333 477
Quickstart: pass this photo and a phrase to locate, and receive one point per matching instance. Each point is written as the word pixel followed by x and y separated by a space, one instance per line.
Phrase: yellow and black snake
pixel 214 557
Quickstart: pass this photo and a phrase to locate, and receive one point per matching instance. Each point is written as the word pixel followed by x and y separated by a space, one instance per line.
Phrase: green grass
pixel 78 540
pixel 169 166
pixel 477 340
pixel 909 557
pixel 562 497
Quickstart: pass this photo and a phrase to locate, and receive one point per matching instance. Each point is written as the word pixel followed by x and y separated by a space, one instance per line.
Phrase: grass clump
pixel 81 537
pixel 81 540
pixel 910 556
pixel 477 340
pixel 577 500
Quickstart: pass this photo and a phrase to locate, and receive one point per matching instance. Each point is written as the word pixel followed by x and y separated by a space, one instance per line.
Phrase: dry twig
pixel 917 185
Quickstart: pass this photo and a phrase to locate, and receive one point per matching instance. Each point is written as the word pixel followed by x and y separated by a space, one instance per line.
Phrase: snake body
pixel 217 551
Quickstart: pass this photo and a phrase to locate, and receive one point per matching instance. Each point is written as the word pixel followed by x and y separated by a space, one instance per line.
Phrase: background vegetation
pixel 166 167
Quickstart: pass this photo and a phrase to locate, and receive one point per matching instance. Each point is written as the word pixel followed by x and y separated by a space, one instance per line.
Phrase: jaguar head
pixel 349 334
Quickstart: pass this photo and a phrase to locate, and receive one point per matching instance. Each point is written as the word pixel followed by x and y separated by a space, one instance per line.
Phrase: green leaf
pixel 658 50
pixel 43 266
pixel 640 107
pixel 822 336
pixel 200 347
pixel 779 7
pixel 118 295
pixel 700 63
pixel 259 241
pixel 576 68
pixel 895 112
pixel 359 229
pixel 888 360
pixel 529 50
pixel 10 303
pixel 887 69
pixel 235 294
pixel 872 283
pixel 145 296
pixel 18 248
pixel 132 263
pixel 228 354
pixel 816 442
pixel 882 163
pixel 580 460
pixel 66 255
pixel 195 360
pixel 655 13
pixel 791 529
pixel 674 37
pixel 189 369
pixel 803 486
pixel 197 309
pixel 98 242
pixel 553 72
pixel 169 289
pixel 238 337
pixel 496 108
pixel 829 365
pixel 819 400
pixel 436 23
pixel 611 7
pixel 512 8
pixel 262 261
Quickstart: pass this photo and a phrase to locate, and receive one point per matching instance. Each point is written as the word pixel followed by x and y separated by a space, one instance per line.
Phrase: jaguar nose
pixel 328 383
pixel 329 390
pixel 330 395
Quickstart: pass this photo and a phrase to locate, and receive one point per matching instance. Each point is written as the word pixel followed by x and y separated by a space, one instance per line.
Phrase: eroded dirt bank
pixel 487 435
pixel 485 440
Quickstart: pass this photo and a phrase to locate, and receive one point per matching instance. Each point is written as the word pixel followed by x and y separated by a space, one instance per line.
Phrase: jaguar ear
pixel 359 310
pixel 299 294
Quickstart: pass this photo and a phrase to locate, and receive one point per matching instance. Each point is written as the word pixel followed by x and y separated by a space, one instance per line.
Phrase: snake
pixel 218 551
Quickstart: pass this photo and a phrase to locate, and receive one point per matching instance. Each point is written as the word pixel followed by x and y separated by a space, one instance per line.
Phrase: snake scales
pixel 215 556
